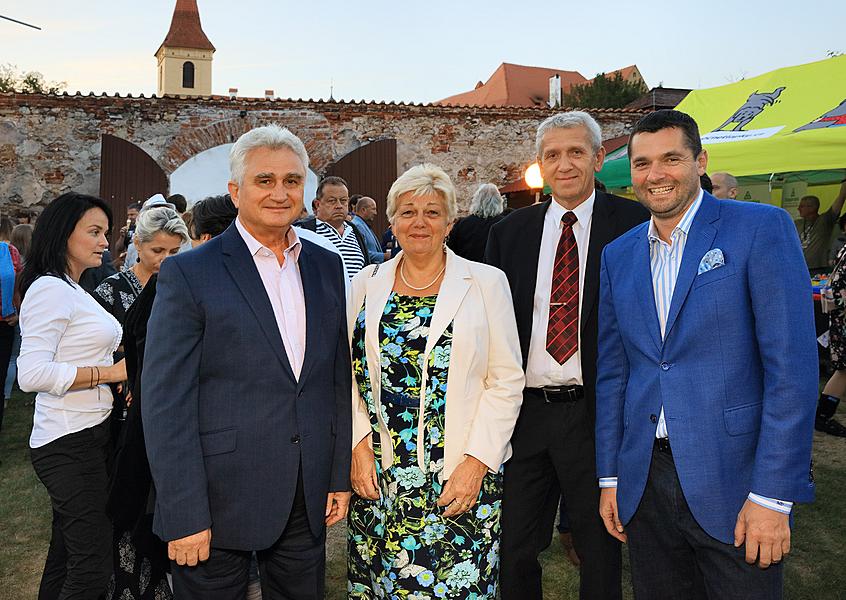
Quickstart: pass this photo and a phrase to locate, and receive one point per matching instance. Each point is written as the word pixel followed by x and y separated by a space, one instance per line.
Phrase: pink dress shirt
pixel 284 288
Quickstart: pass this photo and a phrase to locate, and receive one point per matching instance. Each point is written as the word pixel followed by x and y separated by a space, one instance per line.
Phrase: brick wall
pixel 50 144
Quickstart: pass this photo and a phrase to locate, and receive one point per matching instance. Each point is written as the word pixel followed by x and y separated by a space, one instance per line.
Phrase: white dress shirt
pixel 64 328
pixel 541 368
pixel 284 288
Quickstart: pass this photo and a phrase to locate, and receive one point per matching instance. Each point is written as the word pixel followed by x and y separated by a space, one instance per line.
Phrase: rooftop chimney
pixel 269 95
pixel 555 91
pixel 233 92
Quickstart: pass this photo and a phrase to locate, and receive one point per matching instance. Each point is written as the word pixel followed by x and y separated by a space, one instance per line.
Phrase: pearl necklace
pixel 425 287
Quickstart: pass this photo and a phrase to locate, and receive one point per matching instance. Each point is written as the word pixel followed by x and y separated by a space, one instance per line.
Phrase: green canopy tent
pixel 785 125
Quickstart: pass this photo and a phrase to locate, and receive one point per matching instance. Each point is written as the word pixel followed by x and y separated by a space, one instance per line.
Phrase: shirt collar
pixel 583 211
pixel 332 226
pixel 683 225
pixel 253 245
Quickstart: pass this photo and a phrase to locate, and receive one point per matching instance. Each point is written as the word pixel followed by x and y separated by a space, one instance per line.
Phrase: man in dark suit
pixel 707 380
pixel 551 253
pixel 247 391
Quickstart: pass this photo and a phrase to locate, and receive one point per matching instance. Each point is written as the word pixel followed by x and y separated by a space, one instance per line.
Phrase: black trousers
pixel 553 447
pixel 7 340
pixel 293 568
pixel 672 558
pixel 74 469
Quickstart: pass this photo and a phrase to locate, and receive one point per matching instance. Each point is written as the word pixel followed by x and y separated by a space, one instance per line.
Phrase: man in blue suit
pixel 247 385
pixel 707 380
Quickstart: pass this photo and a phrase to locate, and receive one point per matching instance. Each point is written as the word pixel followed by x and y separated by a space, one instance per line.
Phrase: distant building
pixel 185 55
pixel 658 98
pixel 519 85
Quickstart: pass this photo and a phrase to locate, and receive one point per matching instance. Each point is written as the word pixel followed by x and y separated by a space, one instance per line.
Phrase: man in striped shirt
pixel 331 207
pixel 706 380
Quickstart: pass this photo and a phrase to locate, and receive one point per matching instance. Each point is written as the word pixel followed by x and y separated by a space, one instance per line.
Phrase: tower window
pixel 188 74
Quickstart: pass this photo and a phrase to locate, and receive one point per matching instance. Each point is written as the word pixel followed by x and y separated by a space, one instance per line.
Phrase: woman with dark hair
pixel 66 357
pixel 142 575
pixel 211 217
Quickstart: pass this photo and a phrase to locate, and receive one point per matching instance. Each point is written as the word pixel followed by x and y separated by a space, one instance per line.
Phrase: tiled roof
pixel 185 28
pixel 515 85
pixel 658 98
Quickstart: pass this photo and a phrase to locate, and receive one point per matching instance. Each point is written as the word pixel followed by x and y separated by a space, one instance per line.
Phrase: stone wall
pixel 50 144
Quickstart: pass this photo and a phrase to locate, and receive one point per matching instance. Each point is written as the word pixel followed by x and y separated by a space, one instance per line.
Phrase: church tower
pixel 185 56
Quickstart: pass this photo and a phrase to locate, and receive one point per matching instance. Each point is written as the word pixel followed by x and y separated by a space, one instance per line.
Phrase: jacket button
pixel 653 418
pixel 665 366
pixel 295 439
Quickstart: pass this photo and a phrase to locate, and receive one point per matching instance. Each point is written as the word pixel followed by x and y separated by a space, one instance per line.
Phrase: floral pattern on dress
pixel 117 292
pixel 400 546
pixel 837 318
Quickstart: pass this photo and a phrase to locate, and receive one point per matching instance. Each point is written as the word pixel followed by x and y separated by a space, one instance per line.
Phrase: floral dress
pixel 401 546
pixel 837 318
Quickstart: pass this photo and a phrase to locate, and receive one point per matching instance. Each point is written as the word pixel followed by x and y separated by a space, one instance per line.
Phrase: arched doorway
pixel 207 174
pixel 370 170
pixel 127 175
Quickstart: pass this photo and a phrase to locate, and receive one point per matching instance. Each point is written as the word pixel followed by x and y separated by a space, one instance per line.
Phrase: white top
pixel 63 328
pixel 284 288
pixel 541 368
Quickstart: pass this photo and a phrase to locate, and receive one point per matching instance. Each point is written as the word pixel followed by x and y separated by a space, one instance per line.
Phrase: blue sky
pixel 418 52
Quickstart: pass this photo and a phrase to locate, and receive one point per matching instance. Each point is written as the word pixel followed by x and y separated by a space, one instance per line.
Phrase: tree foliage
pixel 30 82
pixel 604 92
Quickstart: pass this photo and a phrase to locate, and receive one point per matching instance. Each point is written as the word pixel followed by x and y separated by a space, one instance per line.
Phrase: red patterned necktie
pixel 562 332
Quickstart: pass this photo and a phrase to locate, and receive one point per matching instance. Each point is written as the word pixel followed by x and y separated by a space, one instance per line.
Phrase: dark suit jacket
pixel 469 236
pixel 227 425
pixel 514 246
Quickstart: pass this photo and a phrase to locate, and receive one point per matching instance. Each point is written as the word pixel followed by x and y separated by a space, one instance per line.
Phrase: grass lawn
pixel 814 568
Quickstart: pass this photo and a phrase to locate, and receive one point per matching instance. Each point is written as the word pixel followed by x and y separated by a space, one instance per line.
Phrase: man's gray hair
pixel 270 136
pixel 419 181
pixel 568 120
pixel 486 202
pixel 159 219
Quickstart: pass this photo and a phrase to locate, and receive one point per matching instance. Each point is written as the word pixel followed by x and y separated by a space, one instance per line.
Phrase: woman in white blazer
pixel 436 393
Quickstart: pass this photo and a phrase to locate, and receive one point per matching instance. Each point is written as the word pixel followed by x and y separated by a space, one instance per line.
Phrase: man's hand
pixel 766 532
pixel 191 549
pixel 462 488
pixel 363 471
pixel 609 514
pixel 337 504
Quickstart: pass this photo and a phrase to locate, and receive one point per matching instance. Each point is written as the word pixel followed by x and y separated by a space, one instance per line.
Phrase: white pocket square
pixel 713 259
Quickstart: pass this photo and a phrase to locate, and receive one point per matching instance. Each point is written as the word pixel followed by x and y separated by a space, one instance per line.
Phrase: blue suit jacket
pixel 227 426
pixel 736 373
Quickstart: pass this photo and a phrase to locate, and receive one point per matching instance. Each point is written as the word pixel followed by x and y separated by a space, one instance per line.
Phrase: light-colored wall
pixel 170 71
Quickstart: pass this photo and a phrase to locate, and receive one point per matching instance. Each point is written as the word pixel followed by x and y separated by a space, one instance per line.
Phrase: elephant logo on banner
pixel 754 106
pixel 836 117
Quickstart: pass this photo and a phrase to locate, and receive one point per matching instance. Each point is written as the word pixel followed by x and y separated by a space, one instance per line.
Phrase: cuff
pixel 607 482
pixel 781 506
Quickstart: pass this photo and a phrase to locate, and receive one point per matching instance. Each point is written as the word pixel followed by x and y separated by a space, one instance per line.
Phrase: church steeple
pixel 185 55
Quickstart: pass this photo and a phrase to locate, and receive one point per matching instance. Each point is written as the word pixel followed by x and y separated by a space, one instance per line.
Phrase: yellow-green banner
pixel 791 119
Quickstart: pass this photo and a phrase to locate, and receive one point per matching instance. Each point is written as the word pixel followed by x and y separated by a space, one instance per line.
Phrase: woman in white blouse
pixel 67 341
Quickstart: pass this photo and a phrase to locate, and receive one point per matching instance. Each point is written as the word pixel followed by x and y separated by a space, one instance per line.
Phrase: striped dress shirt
pixel 347 244
pixel 665 260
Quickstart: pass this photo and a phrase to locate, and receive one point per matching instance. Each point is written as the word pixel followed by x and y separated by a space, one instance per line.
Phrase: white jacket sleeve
pixel 45 314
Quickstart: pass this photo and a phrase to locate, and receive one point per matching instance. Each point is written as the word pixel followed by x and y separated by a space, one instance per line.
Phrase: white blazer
pixel 485 380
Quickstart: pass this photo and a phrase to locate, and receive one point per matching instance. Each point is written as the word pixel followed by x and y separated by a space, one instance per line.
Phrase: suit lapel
pixel 315 308
pixel 601 233
pixel 643 284
pixel 699 240
pixel 528 245
pixel 453 289
pixel 242 269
